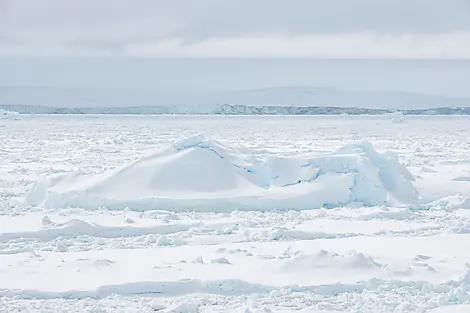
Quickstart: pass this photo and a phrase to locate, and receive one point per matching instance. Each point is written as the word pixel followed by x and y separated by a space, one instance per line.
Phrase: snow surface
pixel 406 255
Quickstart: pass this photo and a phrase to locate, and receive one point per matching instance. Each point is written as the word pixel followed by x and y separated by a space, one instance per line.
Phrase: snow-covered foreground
pixel 374 250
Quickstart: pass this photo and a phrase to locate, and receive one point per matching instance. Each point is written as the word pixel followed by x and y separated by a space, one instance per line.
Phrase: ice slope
pixel 200 174
pixel 9 115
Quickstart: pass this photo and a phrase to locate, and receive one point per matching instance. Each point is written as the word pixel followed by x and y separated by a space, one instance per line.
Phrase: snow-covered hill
pixel 282 100
pixel 332 97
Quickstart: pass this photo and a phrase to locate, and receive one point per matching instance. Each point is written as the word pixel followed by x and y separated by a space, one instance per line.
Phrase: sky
pixel 236 29
pixel 193 46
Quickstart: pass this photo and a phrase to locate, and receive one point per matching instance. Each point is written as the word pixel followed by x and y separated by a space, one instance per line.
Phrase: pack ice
pixel 205 175
pixel 9 115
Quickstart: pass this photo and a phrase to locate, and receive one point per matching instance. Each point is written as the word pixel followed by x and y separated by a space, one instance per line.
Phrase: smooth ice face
pixel 196 173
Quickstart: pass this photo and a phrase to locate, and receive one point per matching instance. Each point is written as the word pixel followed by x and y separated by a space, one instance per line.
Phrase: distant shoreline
pixel 229 109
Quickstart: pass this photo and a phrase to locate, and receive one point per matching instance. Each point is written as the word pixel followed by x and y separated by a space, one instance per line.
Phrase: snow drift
pixel 201 174
pixel 9 115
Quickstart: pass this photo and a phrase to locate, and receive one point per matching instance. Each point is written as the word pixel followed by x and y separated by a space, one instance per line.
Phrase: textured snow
pixel 463 308
pixel 10 115
pixel 408 254
pixel 200 174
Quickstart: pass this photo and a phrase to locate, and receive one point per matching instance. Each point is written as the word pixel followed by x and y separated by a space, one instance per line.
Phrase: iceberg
pixel 206 175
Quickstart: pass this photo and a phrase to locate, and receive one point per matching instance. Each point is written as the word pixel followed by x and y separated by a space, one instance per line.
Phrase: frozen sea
pixel 351 258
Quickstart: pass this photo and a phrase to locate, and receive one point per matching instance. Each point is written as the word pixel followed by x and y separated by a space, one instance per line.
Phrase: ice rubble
pixel 201 174
pixel 9 115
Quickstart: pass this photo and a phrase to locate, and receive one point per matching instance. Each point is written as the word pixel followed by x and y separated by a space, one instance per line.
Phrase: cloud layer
pixel 243 28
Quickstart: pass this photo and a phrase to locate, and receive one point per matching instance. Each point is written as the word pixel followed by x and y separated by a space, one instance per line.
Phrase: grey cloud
pixel 117 26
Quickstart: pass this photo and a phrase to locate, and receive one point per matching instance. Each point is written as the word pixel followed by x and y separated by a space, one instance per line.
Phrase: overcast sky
pixel 257 31
pixel 240 28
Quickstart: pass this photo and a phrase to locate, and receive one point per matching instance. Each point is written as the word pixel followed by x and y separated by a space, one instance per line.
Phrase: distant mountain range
pixel 274 101
pixel 229 109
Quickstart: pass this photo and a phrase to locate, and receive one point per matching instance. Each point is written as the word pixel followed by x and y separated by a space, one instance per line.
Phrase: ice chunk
pixel 201 174
pixel 9 115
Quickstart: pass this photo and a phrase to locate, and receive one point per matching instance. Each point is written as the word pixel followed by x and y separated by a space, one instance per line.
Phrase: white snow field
pixel 234 214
